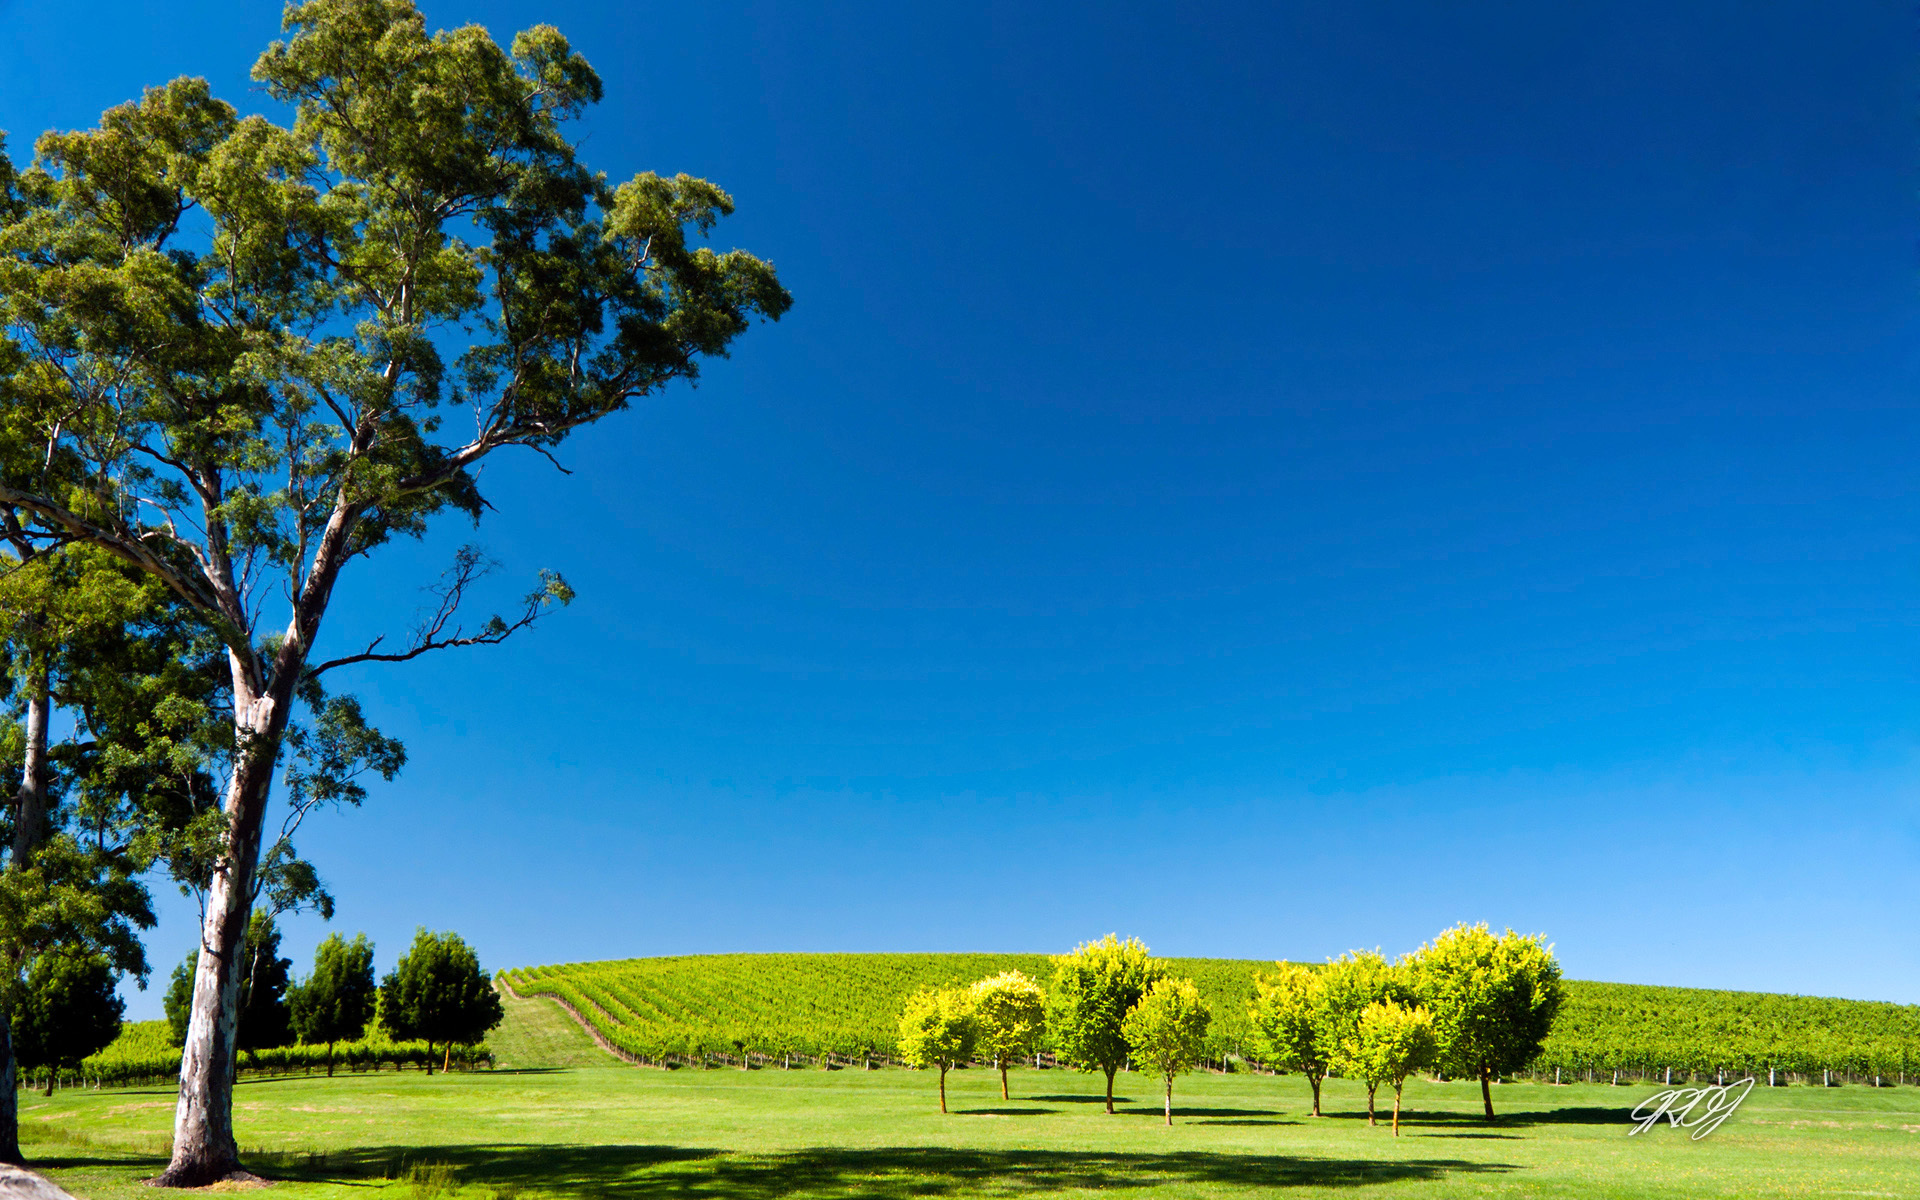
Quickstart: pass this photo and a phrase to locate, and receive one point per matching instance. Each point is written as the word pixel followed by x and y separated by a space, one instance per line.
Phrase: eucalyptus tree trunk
pixel 1486 1090
pixel 1110 1071
pixel 30 807
pixel 29 828
pixel 204 1149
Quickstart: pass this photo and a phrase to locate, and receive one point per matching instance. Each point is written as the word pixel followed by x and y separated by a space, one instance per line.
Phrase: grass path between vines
pixel 553 1127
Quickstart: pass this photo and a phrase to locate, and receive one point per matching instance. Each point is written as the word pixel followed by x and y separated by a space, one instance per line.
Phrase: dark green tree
pixel 66 900
pixel 438 994
pixel 178 1001
pixel 70 1009
pixel 265 1019
pixel 1094 989
pixel 245 339
pixel 335 1003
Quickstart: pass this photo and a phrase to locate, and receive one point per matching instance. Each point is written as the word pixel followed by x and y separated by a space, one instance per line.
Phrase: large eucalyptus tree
pixel 251 355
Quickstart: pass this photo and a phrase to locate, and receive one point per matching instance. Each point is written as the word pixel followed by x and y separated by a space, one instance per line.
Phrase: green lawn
pixel 614 1130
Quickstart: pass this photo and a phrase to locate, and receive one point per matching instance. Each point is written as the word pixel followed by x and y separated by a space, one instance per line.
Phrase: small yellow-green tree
pixel 1009 1014
pixel 1390 1043
pixel 1493 1000
pixel 1094 989
pixel 1286 1016
pixel 1350 985
pixel 937 1030
pixel 1167 1030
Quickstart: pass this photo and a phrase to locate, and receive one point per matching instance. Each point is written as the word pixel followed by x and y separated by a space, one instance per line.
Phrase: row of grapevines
pixel 143 1053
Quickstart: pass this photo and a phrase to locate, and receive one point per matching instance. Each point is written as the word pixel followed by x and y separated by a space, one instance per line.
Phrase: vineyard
pixel 819 1008
pixel 142 1054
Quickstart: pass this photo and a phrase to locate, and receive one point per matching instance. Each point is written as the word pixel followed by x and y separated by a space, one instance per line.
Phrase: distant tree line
pixel 437 993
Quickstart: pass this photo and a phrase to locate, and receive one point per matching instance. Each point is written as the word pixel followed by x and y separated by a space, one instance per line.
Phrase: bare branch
pixel 434 633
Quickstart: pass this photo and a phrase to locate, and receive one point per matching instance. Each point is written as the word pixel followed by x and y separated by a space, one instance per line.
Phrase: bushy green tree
pixel 336 1001
pixel 1167 1030
pixel 1389 1043
pixel 937 1030
pixel 1287 1018
pixel 178 1002
pixel 66 900
pixel 265 1019
pixel 1094 988
pixel 1350 985
pixel 1493 999
pixel 71 1008
pixel 1010 1012
pixel 238 342
pixel 438 994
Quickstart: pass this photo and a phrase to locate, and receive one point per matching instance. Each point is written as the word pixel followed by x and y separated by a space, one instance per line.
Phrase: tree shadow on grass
pixel 1551 1116
pixel 889 1173
pixel 1097 1098
pixel 1003 1112
pixel 1180 1111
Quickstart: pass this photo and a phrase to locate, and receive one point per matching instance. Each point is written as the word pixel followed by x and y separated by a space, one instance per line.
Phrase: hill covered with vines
pixel 782 1006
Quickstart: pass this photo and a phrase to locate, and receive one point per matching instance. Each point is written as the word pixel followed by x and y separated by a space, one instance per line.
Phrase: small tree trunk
pixel 447 1064
pixel 428 1062
pixel 1315 1081
pixel 1486 1090
pixel 1110 1089
pixel 1003 1080
pixel 1169 1099
pixel 329 1060
pixel 943 1087
pixel 1371 1089
pixel 1396 1109
pixel 9 1097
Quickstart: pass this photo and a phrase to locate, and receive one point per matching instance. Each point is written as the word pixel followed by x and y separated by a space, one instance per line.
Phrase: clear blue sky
pixel 1269 479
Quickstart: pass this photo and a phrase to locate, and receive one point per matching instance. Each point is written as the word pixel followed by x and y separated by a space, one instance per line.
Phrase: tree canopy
pixel 1389 1043
pixel 241 357
pixel 1167 1030
pixel 1493 1000
pixel 937 1029
pixel 1288 1018
pixel 335 1002
pixel 438 994
pixel 1094 988
pixel 1010 1014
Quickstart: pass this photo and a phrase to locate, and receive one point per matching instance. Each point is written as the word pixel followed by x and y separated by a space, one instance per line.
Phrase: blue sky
pixel 1269 479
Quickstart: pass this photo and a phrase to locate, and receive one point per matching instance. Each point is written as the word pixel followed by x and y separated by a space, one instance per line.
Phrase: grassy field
pixel 538 1128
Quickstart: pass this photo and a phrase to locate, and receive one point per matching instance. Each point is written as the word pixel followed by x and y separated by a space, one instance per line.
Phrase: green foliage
pixel 1287 1015
pixel 178 1002
pixel 265 1020
pixel 144 1053
pixel 1389 1042
pixel 336 1001
pixel 937 1028
pixel 1493 999
pixel 70 1010
pixel 1167 1030
pixel 1632 1027
pixel 1093 989
pixel 438 994
pixel 1010 1013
